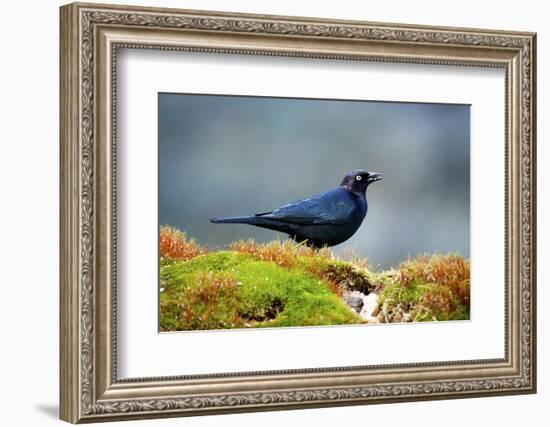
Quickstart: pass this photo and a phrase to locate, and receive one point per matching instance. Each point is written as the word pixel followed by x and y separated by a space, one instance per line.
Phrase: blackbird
pixel 326 219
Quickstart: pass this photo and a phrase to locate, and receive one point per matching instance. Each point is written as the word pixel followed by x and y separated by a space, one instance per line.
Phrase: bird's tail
pixel 234 220
pixel 258 221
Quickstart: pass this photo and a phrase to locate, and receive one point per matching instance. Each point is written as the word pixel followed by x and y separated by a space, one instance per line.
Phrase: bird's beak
pixel 374 176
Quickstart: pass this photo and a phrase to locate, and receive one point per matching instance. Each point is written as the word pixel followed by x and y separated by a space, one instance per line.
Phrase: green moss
pixel 421 302
pixel 228 290
pixel 284 284
pixel 427 288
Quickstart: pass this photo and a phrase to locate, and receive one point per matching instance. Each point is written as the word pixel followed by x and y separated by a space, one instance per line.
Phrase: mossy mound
pixel 282 283
pixel 228 289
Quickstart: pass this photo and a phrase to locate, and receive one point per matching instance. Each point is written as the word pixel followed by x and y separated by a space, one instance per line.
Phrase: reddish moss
pixel 210 304
pixel 429 287
pixel 286 254
pixel 174 245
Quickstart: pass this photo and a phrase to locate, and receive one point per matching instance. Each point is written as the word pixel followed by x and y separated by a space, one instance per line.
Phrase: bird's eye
pixel 358 178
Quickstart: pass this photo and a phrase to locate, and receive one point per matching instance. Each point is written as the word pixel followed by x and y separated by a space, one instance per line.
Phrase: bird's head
pixel 358 180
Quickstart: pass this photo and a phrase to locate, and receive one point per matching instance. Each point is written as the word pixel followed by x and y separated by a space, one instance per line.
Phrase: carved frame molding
pixel 90 37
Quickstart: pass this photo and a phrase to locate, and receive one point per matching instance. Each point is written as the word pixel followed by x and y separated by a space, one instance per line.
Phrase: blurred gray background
pixel 235 155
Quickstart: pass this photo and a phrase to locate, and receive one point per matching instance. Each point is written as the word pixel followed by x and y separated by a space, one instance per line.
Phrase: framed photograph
pixel 267 212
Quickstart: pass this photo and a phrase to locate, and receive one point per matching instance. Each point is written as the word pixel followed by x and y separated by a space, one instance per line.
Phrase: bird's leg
pixel 313 245
pixel 303 242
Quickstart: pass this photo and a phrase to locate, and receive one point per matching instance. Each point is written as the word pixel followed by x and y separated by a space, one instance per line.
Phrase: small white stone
pixel 370 302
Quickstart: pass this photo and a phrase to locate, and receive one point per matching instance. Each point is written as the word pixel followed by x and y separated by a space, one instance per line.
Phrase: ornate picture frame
pixel 90 37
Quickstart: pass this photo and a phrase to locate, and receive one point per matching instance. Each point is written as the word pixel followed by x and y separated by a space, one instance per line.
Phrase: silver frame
pixel 90 37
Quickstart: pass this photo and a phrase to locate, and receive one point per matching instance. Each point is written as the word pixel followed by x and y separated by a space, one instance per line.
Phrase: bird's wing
pixel 333 207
